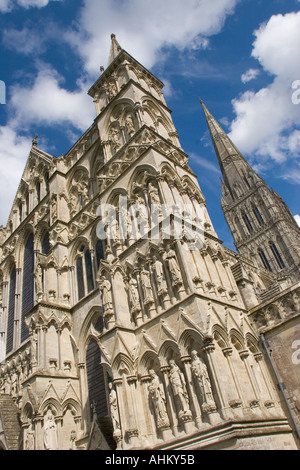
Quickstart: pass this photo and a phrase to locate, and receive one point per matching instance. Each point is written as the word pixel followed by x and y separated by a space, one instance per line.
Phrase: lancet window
pixel 46 244
pixel 11 310
pixel 277 255
pixel 96 380
pixel 84 272
pixel 28 283
pixel 247 222
pixel 258 216
pixel 100 252
pixel 264 259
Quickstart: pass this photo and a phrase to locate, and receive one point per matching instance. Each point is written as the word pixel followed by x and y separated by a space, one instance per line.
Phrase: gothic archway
pixel 97 382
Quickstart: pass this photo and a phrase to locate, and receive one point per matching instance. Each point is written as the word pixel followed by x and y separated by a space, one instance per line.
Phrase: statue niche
pixel 203 384
pixel 158 400
pixel 179 391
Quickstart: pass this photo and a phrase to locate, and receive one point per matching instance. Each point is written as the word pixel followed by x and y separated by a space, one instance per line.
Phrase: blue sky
pixel 241 57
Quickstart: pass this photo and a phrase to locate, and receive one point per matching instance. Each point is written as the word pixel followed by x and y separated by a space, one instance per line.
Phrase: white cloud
pixel 25 41
pixel 266 121
pixel 8 5
pixel 297 217
pixel 5 5
pixel 14 150
pixel 46 102
pixel 251 74
pixel 204 163
pixel 34 3
pixel 144 28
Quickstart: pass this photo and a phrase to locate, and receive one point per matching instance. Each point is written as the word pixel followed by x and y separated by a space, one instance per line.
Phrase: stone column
pixel 255 399
pixel 58 331
pixel 174 419
pixel 210 284
pixel 132 433
pixel 72 274
pixel 149 423
pixel 39 346
pixel 186 361
pixel 59 424
pixel 259 358
pixel 118 383
pixel 38 427
pixel 236 403
pixel 58 274
pixel 229 274
pixel 44 334
pixel 83 395
pixel 209 349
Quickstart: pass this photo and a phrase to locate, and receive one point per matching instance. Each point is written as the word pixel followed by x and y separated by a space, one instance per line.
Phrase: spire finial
pixel 115 49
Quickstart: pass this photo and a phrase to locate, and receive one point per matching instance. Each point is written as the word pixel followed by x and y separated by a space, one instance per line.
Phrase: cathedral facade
pixel 125 323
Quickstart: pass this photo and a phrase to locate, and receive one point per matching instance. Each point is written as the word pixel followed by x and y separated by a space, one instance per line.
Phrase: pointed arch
pixel 168 350
pixel 190 339
pixel 220 336
pixel 122 363
pixel 237 339
pixel 149 360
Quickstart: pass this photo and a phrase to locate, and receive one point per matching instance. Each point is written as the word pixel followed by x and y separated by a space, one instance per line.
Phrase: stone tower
pixel 261 224
pixel 122 323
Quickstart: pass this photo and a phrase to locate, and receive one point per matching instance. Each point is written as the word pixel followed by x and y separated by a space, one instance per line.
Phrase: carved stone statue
pixel 50 432
pixel 54 208
pixel 147 287
pixel 134 293
pixel 115 137
pixel 112 89
pixel 73 203
pixel 84 190
pixel 200 373
pixel 125 224
pixel 129 125
pixel 170 258
pixel 105 286
pixel 178 385
pixel 33 347
pixel 113 403
pixel 73 438
pixel 153 194
pixel 38 274
pixel 158 399
pixel 29 440
pixel 143 214
pixel 159 276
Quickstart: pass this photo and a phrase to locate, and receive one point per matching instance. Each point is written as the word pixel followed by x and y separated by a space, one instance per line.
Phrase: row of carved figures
pixel 147 285
pixel 14 372
pixel 181 391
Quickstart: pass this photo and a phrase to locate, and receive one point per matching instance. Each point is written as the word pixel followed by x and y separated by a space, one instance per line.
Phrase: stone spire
pixel 115 49
pixel 236 171
pixel 262 226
